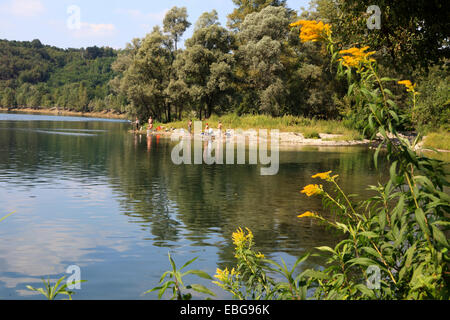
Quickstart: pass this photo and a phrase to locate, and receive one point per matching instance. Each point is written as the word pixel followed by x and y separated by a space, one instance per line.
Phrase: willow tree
pixel 149 69
pixel 175 24
pixel 246 7
pixel 264 58
pixel 147 77
pixel 206 65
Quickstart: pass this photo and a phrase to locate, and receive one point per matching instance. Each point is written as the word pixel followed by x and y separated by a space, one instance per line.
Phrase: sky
pixel 113 23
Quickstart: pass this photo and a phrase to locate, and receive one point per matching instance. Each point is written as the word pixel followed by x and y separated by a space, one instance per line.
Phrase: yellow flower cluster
pixel 354 56
pixel 239 237
pixel 323 176
pixel 223 275
pixel 307 214
pixel 312 189
pixel 312 30
pixel 259 255
pixel 409 86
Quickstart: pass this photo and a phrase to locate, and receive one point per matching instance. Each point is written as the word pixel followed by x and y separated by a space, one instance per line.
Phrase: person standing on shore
pixel 220 128
pixel 190 126
pixel 136 124
pixel 150 123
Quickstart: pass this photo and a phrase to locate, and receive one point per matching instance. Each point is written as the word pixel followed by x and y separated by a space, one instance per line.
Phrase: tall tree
pixel 207 19
pixel 263 57
pixel 206 65
pixel 175 23
pixel 245 7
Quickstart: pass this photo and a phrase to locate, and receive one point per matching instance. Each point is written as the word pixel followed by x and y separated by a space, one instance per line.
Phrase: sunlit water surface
pixel 86 192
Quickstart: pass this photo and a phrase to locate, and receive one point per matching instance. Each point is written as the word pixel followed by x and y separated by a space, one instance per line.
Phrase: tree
pixel 83 100
pixel 8 98
pixel 175 23
pixel 207 19
pixel 245 7
pixel 263 57
pixel 206 64
pixel 148 76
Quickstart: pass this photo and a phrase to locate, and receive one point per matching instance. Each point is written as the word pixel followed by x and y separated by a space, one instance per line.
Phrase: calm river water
pixel 86 192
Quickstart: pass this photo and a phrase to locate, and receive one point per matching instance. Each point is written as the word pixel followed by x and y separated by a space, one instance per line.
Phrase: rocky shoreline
pixel 287 139
pixel 59 112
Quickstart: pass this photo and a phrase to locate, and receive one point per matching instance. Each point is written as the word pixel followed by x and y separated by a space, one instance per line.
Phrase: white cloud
pixel 95 30
pixel 156 17
pixel 24 8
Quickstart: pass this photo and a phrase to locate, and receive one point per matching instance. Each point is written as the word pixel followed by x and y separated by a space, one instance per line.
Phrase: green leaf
pixel 365 291
pixel 439 236
pixel 188 263
pixel 199 273
pixel 371 251
pixel 163 288
pixel 369 234
pixel 202 289
pixel 311 273
pixel 172 263
pixel 325 248
pixel 394 115
pixel 362 262
pixel 375 156
pixel 421 220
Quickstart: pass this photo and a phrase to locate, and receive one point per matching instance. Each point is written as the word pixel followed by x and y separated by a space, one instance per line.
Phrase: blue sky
pixel 102 22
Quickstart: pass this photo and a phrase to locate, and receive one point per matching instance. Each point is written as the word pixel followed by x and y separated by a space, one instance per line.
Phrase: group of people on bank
pixel 208 130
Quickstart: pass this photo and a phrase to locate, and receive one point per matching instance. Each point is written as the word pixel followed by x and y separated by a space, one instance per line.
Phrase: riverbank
pixel 292 139
pixel 59 112
pixel 286 139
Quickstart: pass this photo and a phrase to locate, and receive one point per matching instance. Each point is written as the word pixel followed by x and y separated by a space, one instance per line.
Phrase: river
pixel 86 192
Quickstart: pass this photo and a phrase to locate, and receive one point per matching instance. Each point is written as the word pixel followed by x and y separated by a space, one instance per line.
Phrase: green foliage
pixel 175 23
pixel 246 7
pixel 312 135
pixel 176 284
pixel 394 244
pixel 413 34
pixel 263 58
pixel 51 292
pixel 205 68
pixel 433 102
pixel 33 75
pixel 437 140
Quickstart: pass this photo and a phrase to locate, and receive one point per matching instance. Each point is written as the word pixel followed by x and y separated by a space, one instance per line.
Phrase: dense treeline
pixel 33 75
pixel 254 65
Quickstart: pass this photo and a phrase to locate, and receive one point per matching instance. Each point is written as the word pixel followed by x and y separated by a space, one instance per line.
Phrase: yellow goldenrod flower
pixel 409 86
pixel 312 30
pixel 222 275
pixel 323 176
pixel 307 214
pixel 312 189
pixel 239 237
pixel 260 255
pixel 353 57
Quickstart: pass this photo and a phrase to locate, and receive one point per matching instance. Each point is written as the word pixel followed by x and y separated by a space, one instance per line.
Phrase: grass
pixel 438 140
pixel 310 128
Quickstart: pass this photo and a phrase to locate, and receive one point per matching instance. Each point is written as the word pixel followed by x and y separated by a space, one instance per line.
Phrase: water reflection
pixel 114 204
